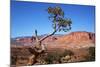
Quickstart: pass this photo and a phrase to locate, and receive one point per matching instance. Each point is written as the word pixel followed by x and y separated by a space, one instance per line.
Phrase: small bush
pixel 13 60
pixel 68 52
pixel 92 53
pixel 55 57
pixel 91 56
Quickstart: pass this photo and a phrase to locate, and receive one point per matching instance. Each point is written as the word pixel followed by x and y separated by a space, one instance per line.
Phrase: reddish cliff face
pixel 70 40
pixel 78 37
pixel 83 36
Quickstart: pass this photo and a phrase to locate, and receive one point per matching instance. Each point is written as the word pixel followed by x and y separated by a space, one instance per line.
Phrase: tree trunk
pixel 39 48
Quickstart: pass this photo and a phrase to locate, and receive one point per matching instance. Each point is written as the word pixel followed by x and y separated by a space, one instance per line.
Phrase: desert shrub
pixel 68 52
pixel 55 57
pixel 92 53
pixel 91 56
pixel 13 60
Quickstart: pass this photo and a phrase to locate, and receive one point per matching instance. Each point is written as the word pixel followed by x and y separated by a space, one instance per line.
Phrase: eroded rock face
pixel 74 36
pixel 83 36
pixel 79 36
pixel 72 40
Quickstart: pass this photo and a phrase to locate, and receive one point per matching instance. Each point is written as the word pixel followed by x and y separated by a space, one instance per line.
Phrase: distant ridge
pixel 79 38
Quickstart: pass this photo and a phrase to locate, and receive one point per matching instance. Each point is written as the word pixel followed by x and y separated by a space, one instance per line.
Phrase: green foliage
pixel 64 24
pixel 55 11
pixel 59 22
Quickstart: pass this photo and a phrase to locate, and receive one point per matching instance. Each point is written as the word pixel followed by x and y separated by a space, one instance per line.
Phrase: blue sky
pixel 28 16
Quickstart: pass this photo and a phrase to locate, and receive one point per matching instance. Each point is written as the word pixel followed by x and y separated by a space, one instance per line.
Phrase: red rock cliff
pixel 79 36
pixel 72 37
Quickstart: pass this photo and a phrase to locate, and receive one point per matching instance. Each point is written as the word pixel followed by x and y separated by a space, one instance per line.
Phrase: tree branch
pixel 49 35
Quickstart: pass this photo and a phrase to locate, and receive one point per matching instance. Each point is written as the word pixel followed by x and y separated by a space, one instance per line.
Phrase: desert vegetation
pixel 91 54
pixel 57 57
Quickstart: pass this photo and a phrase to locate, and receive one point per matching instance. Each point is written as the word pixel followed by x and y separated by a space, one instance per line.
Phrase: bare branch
pixel 36 36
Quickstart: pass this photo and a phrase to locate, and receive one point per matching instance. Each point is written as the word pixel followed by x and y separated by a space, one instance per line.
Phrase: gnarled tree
pixel 59 23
